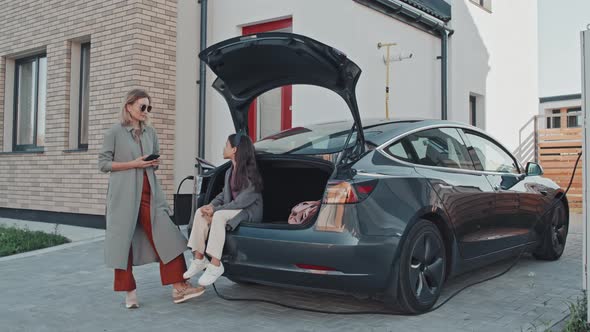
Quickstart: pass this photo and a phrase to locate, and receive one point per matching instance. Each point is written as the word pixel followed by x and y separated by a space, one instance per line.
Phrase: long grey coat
pixel 124 198
pixel 248 200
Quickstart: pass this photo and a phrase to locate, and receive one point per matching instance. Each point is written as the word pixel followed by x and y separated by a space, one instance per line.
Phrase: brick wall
pixel 133 44
pixel 2 74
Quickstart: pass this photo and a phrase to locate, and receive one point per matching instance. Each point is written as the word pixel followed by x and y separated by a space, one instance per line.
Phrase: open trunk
pixel 287 181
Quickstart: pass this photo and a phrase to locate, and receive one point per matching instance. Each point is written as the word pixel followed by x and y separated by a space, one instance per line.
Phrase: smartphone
pixel 152 157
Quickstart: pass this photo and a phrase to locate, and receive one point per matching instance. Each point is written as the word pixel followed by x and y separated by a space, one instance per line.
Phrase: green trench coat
pixel 124 198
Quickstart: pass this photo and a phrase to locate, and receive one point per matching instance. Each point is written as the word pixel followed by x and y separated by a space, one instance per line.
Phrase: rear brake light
pixel 342 192
pixel 365 189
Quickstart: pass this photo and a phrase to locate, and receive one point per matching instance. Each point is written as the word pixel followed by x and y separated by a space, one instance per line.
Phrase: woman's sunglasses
pixel 143 108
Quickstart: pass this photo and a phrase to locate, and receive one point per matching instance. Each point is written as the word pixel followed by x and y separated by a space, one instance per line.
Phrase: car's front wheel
pixel 554 236
pixel 422 268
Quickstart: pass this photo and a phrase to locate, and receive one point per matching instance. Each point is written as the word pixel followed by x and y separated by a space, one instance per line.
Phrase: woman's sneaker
pixel 212 273
pixel 186 293
pixel 197 265
pixel 131 300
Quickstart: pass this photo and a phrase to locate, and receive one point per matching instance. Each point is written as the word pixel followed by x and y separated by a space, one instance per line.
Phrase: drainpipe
pixel 444 75
pixel 202 79
pixel 201 119
pixel 445 33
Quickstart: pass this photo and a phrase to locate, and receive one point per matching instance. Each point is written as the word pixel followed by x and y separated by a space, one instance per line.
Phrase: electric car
pixel 405 204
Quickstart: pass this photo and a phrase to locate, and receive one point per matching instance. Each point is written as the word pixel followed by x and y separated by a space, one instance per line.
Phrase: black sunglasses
pixel 143 108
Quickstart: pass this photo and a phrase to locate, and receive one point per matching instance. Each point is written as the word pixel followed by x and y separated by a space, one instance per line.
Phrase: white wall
pixel 187 97
pixel 353 29
pixel 495 55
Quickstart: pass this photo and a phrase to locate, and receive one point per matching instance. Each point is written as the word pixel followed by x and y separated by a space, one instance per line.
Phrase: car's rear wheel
pixel 422 268
pixel 554 237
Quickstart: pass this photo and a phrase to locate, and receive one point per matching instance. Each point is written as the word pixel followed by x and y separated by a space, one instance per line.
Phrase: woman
pixel 139 229
pixel 240 200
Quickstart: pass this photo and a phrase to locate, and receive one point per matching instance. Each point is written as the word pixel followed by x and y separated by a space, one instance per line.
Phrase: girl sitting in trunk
pixel 239 201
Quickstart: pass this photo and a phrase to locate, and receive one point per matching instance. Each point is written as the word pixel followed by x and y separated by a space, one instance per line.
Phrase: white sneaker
pixel 197 265
pixel 212 273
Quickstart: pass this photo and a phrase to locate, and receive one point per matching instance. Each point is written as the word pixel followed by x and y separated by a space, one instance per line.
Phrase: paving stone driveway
pixel 71 290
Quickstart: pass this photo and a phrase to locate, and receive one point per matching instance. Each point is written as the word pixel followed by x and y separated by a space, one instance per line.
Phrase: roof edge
pixel 560 98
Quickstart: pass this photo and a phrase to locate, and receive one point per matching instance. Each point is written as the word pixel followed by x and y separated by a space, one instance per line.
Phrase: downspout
pixel 444 38
pixel 201 82
pixel 201 119
pixel 445 33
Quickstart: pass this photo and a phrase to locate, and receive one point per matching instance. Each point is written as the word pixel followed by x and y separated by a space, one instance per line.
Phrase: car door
pixel 441 156
pixel 512 218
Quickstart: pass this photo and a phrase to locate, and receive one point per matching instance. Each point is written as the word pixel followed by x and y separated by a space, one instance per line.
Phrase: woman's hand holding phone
pixel 142 163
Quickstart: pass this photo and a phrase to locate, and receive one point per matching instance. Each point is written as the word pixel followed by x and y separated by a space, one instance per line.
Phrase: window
pixel 29 103
pixel 574 121
pixel 472 110
pixel 84 100
pixel 554 122
pixel 491 157
pixel 442 147
pixel 485 4
pixel 397 150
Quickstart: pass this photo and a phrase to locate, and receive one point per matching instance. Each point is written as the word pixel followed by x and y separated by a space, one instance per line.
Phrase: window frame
pixel 26 147
pixel 80 96
pixel 382 149
pixel 577 117
pixel 411 151
pixel 473 155
pixel 472 110
pixel 553 121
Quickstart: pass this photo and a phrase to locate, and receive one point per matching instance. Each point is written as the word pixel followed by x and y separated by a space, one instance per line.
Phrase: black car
pixel 405 204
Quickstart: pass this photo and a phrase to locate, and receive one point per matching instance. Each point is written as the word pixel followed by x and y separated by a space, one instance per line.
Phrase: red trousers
pixel 169 273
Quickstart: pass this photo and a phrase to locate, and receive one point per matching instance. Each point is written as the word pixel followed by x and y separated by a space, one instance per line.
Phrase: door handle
pixel 496 188
pixel 543 192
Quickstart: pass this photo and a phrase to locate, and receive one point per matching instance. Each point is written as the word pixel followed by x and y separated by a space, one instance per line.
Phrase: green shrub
pixel 577 319
pixel 14 240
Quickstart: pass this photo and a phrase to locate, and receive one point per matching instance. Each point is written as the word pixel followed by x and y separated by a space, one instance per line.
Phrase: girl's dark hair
pixel 246 168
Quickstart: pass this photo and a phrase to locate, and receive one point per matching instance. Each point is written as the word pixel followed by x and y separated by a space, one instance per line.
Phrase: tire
pixel 422 268
pixel 553 239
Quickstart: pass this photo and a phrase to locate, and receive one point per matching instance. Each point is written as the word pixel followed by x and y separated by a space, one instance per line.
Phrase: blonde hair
pixel 132 97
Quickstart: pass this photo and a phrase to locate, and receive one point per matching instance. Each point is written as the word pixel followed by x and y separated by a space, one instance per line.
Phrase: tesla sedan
pixel 404 204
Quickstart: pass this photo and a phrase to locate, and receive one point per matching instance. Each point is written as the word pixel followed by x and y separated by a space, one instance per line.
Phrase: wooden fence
pixel 557 151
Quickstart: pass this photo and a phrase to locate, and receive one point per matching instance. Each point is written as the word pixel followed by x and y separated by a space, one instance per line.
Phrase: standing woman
pixel 139 229
pixel 240 200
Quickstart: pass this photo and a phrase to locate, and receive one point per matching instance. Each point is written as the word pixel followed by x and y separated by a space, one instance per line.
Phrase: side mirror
pixel 533 169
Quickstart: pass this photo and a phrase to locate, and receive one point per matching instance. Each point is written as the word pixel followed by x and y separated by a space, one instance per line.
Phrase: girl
pixel 240 200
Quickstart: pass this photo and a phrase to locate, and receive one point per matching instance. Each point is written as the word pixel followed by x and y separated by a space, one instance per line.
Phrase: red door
pixel 262 117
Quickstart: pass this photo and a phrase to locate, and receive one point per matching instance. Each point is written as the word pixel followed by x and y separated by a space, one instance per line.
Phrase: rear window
pixel 325 138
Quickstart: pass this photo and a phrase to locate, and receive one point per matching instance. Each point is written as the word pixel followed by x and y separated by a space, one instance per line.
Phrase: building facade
pixel 90 54
pixel 492 63
pixel 65 67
